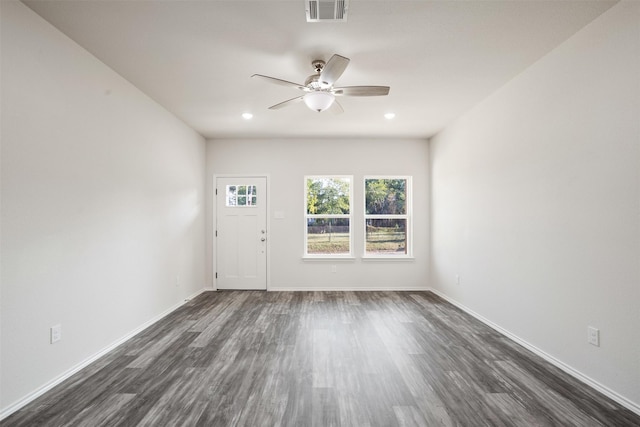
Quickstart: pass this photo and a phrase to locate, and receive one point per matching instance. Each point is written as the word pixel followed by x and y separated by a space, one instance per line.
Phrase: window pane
pixel 386 196
pixel 231 195
pixel 386 237
pixel 328 196
pixel 328 236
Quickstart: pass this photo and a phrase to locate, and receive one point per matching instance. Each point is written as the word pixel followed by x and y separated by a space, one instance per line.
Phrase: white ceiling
pixel 439 57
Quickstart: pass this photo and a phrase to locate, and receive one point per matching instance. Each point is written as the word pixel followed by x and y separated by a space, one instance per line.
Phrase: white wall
pixel 536 204
pixel 287 162
pixel 102 205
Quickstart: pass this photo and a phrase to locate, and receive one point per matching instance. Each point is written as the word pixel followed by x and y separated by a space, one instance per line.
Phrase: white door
pixel 241 232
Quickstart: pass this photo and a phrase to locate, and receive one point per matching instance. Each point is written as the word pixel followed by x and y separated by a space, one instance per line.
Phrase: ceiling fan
pixel 320 92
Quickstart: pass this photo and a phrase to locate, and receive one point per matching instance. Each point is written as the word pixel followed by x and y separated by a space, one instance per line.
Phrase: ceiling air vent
pixel 327 10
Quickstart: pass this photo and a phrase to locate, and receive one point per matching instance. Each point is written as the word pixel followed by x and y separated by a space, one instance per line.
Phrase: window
pixel 241 195
pixel 387 219
pixel 328 216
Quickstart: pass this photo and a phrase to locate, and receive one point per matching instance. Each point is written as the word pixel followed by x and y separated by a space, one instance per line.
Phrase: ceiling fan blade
pixel 286 103
pixel 333 70
pixel 279 81
pixel 336 108
pixel 361 91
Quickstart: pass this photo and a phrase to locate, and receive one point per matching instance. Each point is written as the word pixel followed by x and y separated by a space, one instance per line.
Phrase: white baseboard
pixel 632 406
pixel 345 288
pixel 60 378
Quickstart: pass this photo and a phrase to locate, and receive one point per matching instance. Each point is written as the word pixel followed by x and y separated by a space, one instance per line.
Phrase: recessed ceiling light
pixel 389 116
pixel 247 116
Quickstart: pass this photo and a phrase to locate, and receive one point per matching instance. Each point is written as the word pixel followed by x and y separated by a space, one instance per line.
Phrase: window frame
pixel 407 217
pixel 307 216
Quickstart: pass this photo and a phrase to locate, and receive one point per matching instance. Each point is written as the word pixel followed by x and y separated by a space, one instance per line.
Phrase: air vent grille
pixel 327 10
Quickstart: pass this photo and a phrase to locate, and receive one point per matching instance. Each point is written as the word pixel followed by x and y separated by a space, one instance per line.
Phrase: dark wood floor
pixel 321 359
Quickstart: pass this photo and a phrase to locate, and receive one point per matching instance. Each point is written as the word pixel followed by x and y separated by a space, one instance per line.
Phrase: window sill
pixel 371 258
pixel 329 258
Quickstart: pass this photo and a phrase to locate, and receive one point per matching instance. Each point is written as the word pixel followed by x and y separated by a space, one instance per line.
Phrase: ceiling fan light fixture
pixel 319 100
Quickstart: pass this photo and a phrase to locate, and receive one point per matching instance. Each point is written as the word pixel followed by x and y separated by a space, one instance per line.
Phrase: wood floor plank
pixel 209 330
pixel 512 412
pixel 409 416
pixel 324 407
pixel 433 410
pixel 547 400
pixel 251 358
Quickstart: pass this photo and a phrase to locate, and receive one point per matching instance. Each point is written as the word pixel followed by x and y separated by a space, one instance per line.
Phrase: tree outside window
pixel 328 216
pixel 387 216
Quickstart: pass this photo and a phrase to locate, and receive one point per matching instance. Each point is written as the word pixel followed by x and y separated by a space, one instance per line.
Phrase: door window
pixel 241 195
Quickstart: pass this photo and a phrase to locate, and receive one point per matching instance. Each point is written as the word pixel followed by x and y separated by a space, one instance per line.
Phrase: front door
pixel 241 232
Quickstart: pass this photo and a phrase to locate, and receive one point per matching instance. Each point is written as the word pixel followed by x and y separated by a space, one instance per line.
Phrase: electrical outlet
pixel 334 268
pixel 56 333
pixel 593 336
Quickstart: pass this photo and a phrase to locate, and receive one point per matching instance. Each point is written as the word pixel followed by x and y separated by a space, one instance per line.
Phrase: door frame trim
pixel 267 178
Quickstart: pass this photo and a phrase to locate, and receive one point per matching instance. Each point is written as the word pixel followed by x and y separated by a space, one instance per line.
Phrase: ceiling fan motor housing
pixel 318 65
pixel 313 82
